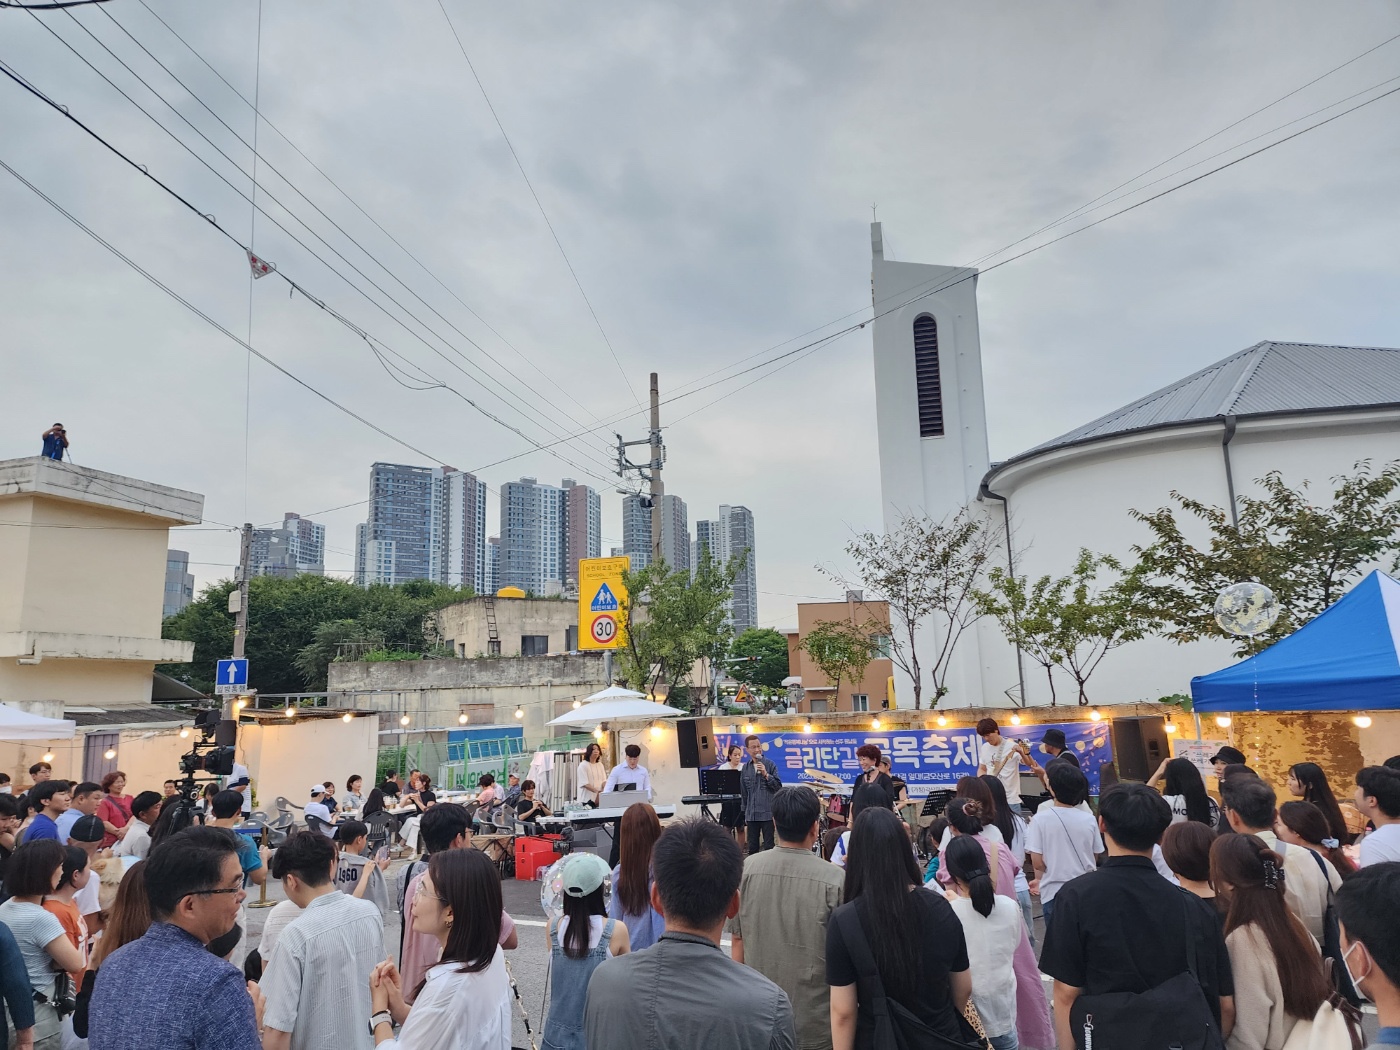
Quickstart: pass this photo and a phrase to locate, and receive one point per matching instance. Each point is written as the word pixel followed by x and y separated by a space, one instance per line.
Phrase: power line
pixel 206 318
pixel 539 204
pixel 213 222
pixel 544 374
pixel 257 209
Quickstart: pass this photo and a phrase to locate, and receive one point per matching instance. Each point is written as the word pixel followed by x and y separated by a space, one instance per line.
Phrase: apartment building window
pixel 819 707
pixel 860 701
pixel 534 645
pixel 880 645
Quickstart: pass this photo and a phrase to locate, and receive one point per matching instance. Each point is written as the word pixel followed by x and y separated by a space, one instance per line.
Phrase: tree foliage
pixel 1071 622
pixel 927 571
pixel 769 652
pixel 841 650
pixel 287 649
pixel 672 619
pixel 1307 554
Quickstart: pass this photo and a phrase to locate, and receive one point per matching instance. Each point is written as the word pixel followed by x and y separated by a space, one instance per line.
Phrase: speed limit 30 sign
pixel 603 629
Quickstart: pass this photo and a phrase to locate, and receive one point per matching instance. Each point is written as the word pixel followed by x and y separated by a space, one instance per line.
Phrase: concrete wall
pixel 286 759
pixel 1081 497
pixel 464 624
pixel 435 692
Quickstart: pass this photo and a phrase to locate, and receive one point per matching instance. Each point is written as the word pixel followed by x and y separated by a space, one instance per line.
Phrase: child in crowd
pixel 61 905
pixel 359 875
pixel 932 836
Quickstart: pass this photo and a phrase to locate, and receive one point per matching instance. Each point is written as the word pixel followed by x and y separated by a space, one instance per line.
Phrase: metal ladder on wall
pixel 493 636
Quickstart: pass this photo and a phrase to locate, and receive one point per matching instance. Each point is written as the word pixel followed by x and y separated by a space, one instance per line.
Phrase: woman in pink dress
pixel 1034 1029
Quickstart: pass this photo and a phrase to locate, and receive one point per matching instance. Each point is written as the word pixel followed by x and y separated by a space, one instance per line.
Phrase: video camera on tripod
pixel 213 757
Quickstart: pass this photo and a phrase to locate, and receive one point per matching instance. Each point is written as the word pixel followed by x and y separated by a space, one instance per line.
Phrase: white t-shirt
pixel 992 941
pixel 838 855
pixel 1381 845
pixel 1178 805
pixel 1066 840
pixel 320 809
pixel 87 898
pixel 240 772
pixel 595 931
pixel 1010 774
pixel 278 919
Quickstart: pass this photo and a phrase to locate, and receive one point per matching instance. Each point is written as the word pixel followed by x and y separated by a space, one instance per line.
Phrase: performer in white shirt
pixel 630 772
pixel 590 776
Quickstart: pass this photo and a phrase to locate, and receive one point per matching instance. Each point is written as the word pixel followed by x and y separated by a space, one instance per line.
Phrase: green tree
pixel 1071 622
pixel 767 651
pixel 1307 554
pixel 283 618
pixel 841 650
pixel 927 572
pixel 672 619
pixel 314 658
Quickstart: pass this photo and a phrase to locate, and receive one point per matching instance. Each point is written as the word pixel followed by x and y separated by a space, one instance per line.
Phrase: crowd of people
pixel 1170 918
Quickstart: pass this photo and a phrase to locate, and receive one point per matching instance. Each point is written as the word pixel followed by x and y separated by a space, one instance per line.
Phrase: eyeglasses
pixel 421 892
pixel 210 893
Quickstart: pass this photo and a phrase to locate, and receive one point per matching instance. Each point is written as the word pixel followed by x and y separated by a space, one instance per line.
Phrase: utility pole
pixel 649 471
pixel 238 605
pixel 658 489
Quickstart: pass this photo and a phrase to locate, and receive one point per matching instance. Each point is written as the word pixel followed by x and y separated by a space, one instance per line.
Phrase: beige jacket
pixel 1305 883
pixel 1260 1020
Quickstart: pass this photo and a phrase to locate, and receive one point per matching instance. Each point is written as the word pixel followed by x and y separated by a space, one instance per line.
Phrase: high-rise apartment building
pixel 675 531
pixel 425 523
pixel 731 535
pixel 583 510
pixel 299 546
pixel 179 584
pixel 493 564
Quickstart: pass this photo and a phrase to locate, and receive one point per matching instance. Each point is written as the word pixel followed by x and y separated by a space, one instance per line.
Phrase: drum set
pixel 835 795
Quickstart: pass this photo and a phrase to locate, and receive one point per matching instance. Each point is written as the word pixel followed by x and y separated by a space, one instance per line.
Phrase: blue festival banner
pixel 925 759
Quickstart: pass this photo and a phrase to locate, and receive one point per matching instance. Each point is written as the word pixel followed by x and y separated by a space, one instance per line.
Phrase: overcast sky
pixel 710 170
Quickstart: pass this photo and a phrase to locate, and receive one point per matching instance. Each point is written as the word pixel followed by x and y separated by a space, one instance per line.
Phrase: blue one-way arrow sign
pixel 604 600
pixel 231 676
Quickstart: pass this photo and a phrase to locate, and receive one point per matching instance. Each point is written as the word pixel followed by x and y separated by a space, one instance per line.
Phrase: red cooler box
pixel 533 855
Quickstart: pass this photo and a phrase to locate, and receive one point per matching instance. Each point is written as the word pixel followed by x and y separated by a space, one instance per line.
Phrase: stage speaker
pixel 226 732
pixel 696 740
pixel 1139 746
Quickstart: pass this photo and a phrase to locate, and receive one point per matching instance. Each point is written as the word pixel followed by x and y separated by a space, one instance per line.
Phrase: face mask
pixel 5 789
pixel 1355 981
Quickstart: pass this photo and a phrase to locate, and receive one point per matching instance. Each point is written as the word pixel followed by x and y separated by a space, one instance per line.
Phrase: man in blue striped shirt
pixel 167 990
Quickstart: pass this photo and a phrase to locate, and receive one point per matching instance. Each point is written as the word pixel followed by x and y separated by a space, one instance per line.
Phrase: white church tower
pixel 932 419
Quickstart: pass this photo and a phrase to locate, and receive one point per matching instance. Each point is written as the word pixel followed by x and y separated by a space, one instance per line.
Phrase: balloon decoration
pixel 1246 609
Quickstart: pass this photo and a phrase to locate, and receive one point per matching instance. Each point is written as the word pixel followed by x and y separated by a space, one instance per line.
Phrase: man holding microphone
pixel 758 782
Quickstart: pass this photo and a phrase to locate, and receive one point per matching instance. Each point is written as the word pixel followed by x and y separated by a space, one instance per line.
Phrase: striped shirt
pixel 317 982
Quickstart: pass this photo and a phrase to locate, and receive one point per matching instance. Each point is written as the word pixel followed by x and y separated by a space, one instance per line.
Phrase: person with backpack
pixel 1145 959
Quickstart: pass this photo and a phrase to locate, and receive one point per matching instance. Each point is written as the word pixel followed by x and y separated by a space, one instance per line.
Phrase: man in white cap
pixel 317 808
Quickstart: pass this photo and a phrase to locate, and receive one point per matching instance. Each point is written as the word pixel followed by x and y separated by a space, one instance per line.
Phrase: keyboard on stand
pixel 706 801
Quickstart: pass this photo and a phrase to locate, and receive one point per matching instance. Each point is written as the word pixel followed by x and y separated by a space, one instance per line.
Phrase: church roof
pixel 1265 379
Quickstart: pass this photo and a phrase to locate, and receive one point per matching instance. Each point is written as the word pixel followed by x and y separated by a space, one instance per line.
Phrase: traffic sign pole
pixel 240 623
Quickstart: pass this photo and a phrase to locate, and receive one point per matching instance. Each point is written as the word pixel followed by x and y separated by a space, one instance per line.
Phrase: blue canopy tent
pixel 1344 660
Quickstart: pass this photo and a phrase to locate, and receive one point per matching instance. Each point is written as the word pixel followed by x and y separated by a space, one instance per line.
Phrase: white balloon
pixel 552 888
pixel 1246 609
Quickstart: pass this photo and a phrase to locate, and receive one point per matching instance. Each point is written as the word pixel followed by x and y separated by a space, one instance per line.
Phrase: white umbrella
pixel 613 692
pixel 21 725
pixel 614 709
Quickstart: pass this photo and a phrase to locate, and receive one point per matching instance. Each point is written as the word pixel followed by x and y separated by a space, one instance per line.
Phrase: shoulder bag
pixel 1172 1016
pixel 896 1027
pixel 1332 940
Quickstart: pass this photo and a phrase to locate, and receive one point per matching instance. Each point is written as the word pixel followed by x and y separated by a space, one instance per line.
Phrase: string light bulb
pixel 519 712
pixel 184 734
pixel 942 720
pixel 748 727
pixel 1223 721
pixel 1094 715
pixel 1171 727
pixel 109 754
pixel 346 717
pixel 291 711
pixel 656 732
pixel 48 756
pixel 241 703
pixel 806 727
pixel 578 704
pixel 461 719
pixel 404 720
pixel 1362 721
pixel 875 723
pixel 1015 720
pixel 598 733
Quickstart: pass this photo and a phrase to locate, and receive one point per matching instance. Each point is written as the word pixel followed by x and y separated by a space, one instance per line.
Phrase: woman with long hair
pixel 580 941
pixel 631 899
pixel 917 943
pixel 590 778
pixel 967 818
pixel 1277 966
pixel 992 925
pixel 463 1002
pixel 1303 824
pixel 731 814
pixel 1185 792
pixel 1012 827
pixel 1307 781
pixel 127 920
pixel 33 872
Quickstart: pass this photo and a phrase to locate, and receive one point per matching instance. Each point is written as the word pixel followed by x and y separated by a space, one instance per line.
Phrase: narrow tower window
pixel 926 377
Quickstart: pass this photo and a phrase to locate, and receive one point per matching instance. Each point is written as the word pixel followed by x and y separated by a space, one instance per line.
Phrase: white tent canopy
pixel 21 725
pixel 614 710
pixel 614 692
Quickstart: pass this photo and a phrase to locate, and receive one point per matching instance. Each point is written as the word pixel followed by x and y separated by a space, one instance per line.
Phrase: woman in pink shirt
pixel 115 807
